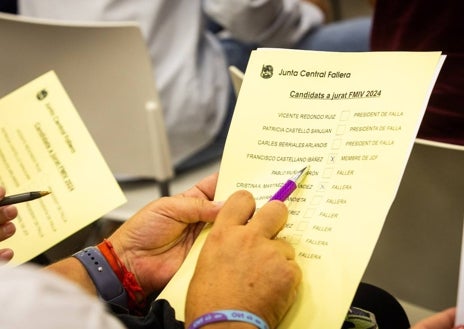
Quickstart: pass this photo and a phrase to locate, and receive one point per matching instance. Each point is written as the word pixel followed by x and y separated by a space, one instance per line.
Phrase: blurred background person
pixel 191 61
pixel 431 25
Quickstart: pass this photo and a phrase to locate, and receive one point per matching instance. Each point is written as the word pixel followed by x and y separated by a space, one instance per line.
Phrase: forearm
pixel 73 270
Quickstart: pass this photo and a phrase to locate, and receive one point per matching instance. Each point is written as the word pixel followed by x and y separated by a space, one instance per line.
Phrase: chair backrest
pixel 107 72
pixel 237 78
pixel 418 253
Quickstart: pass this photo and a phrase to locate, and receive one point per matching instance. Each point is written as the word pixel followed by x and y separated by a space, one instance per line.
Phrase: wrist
pixel 111 279
pixel 118 251
pixel 228 318
pixel 126 258
pixel 106 282
pixel 135 292
pixel 229 325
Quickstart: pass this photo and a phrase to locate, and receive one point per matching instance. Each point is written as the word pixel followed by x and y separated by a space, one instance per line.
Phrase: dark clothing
pixel 160 316
pixel 9 6
pixel 388 312
pixel 431 25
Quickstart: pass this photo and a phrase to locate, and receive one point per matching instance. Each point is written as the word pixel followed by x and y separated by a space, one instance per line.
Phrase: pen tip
pixel 43 193
pixel 299 174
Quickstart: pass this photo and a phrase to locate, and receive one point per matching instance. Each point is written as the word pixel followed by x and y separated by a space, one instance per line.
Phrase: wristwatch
pixel 109 288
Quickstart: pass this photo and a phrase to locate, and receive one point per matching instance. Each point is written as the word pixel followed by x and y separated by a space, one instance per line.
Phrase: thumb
pixel 188 210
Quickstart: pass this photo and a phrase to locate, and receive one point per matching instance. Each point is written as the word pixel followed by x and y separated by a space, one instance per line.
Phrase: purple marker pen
pixel 284 192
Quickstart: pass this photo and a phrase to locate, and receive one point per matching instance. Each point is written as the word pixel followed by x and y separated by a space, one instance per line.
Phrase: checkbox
pixel 345 115
pixel 327 173
pixel 309 213
pixel 302 226
pixel 341 129
pixel 336 144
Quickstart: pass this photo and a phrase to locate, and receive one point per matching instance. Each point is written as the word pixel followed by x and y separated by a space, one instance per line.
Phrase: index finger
pixel 270 219
pixel 237 209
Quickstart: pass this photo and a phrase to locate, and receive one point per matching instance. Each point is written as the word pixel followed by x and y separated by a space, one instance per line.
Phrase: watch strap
pixel 108 285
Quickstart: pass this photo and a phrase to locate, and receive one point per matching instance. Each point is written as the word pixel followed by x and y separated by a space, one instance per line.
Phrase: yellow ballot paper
pixel 352 119
pixel 44 145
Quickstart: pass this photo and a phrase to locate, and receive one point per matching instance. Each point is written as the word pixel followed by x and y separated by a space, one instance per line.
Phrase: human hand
pixel 242 267
pixel 155 241
pixel 7 228
pixel 441 320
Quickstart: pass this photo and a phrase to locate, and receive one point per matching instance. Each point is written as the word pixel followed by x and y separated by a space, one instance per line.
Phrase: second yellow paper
pixel 44 145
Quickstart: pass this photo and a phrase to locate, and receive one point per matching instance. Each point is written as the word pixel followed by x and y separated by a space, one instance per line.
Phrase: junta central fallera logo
pixel 42 94
pixel 267 71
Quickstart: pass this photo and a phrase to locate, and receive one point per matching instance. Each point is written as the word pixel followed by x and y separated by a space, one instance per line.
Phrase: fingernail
pixel 6 254
pixel 10 212
pixel 8 229
pixel 459 327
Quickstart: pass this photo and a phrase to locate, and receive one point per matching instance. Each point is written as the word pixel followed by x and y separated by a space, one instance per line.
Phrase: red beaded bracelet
pixel 134 290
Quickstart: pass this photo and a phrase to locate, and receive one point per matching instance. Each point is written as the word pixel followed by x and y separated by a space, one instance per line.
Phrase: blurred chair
pixel 237 78
pixel 107 72
pixel 418 253
pixel 336 9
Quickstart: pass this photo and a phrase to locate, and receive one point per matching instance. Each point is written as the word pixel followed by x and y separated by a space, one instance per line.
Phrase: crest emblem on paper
pixel 42 94
pixel 267 71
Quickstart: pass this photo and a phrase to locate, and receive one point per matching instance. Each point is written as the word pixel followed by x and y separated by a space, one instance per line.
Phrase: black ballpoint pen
pixel 22 197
